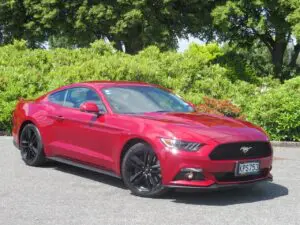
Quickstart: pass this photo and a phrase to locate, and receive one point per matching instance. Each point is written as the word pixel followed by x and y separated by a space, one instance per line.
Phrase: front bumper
pixel 216 173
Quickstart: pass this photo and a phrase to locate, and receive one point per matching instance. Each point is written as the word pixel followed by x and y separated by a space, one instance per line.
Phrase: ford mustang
pixel 143 134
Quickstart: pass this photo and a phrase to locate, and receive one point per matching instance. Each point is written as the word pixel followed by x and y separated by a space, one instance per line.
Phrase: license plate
pixel 247 168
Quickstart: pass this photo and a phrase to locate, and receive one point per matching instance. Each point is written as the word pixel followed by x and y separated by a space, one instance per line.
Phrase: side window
pixel 77 96
pixel 58 97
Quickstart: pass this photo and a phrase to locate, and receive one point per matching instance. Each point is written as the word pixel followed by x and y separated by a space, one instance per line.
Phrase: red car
pixel 143 134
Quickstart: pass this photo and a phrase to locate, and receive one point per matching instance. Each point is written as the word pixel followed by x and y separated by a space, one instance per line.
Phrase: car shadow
pixel 87 174
pixel 256 193
pixel 259 192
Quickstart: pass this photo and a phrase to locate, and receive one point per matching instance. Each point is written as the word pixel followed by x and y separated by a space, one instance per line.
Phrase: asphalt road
pixel 60 194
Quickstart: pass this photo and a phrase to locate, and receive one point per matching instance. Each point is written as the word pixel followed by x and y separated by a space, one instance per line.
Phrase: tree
pixel 294 19
pixel 12 17
pixel 246 64
pixel 243 22
pixel 133 24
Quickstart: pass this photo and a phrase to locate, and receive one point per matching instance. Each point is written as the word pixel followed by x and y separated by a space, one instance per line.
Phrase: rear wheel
pixel 31 146
pixel 141 171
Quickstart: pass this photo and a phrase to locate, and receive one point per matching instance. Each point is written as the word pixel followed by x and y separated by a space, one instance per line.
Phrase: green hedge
pixel 278 111
pixel 193 74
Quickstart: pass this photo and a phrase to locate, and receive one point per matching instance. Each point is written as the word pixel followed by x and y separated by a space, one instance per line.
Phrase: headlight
pixel 181 145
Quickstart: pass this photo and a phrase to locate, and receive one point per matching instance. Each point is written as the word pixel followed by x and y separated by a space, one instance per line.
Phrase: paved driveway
pixel 60 194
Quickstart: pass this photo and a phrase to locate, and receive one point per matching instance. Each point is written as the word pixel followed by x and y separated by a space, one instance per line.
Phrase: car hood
pixel 214 127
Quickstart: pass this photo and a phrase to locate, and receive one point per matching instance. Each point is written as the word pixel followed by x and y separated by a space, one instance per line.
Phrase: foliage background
pixel 200 71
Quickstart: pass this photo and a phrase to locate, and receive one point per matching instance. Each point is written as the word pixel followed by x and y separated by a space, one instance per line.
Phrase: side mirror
pixel 89 107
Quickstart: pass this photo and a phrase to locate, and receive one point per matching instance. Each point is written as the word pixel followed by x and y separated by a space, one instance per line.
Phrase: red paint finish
pixel 89 107
pixel 99 139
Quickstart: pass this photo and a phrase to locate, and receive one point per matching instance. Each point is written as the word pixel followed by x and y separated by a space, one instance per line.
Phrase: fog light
pixel 189 176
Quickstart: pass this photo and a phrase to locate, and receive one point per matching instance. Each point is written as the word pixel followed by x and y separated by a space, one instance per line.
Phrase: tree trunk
pixel 293 62
pixel 118 45
pixel 278 50
pixel 133 46
pixel 116 42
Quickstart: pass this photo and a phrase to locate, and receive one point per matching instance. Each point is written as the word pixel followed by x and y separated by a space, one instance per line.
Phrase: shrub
pixel 278 111
pixel 193 74
pixel 29 73
pixel 219 107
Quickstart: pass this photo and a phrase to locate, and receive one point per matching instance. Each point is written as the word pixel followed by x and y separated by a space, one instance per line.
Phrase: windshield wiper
pixel 161 111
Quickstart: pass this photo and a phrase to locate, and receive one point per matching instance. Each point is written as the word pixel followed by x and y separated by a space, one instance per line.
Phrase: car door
pixel 84 136
pixel 53 141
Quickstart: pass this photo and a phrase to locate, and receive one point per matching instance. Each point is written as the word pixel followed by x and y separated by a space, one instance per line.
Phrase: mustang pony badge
pixel 245 149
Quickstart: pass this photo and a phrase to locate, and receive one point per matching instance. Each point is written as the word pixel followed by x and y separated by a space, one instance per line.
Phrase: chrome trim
pixel 192 170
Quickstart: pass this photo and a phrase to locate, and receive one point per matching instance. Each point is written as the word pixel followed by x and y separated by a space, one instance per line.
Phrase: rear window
pixel 58 97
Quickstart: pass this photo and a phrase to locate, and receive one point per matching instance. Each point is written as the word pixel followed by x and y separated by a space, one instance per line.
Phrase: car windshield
pixel 144 99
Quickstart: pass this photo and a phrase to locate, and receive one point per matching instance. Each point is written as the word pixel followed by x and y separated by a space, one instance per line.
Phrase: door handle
pixel 59 118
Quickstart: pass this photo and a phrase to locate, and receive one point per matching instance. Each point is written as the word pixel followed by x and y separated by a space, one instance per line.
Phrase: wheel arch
pixel 26 122
pixel 131 142
pixel 159 189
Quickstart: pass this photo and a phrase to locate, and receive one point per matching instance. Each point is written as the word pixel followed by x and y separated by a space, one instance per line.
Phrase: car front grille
pixel 230 176
pixel 241 150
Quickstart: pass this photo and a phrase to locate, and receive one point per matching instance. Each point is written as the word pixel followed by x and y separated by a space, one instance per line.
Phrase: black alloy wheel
pixel 31 146
pixel 141 171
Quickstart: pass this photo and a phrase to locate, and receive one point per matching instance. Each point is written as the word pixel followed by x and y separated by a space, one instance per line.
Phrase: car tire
pixel 31 146
pixel 141 171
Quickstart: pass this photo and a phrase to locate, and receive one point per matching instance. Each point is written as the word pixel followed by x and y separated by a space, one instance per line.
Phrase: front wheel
pixel 141 171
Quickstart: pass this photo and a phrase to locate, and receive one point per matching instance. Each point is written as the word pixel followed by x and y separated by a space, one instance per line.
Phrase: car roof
pixel 104 84
pixel 115 83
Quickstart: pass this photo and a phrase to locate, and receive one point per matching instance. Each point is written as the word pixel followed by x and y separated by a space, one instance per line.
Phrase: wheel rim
pixel 143 171
pixel 29 144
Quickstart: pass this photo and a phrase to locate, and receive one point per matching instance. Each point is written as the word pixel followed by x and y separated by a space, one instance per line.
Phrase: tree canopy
pixel 274 23
pixel 136 24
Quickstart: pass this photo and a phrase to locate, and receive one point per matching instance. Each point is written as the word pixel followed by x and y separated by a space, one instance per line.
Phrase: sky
pixel 184 43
